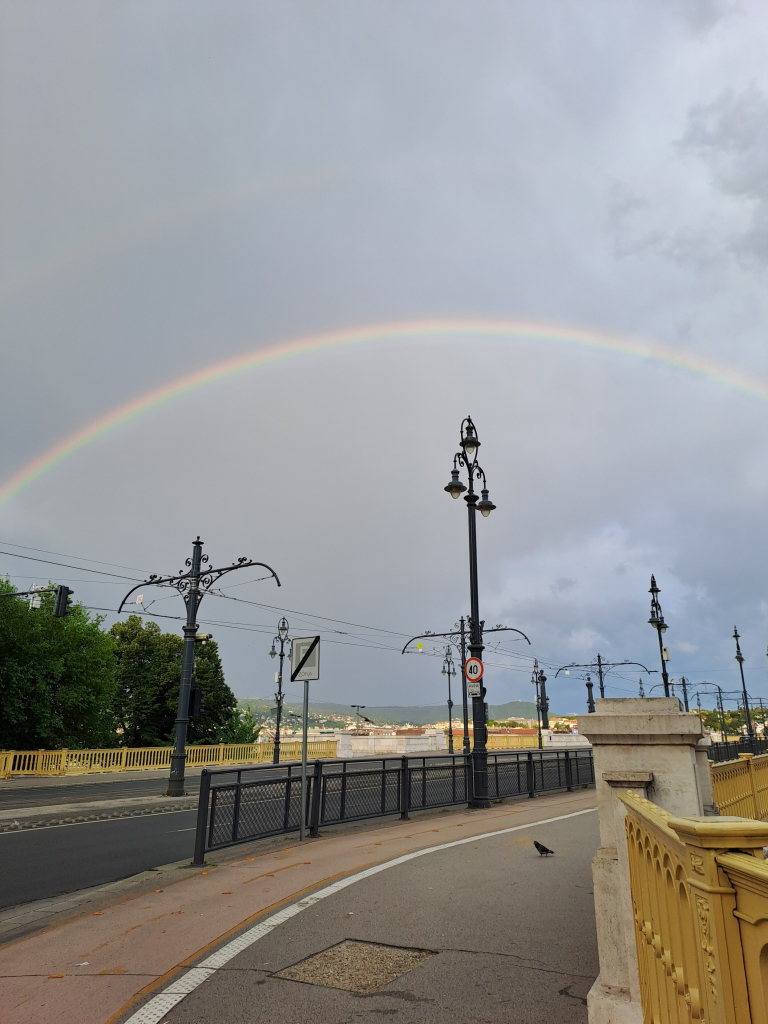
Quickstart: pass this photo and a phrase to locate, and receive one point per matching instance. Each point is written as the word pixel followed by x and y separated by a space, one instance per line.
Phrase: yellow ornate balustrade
pixel 700 906
pixel 80 762
pixel 507 742
pixel 741 787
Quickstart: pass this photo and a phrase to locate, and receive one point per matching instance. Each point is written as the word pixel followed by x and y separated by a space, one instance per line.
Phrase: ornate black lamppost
pixel 657 621
pixel 467 457
pixel 192 585
pixel 590 697
pixel 449 669
pixel 603 668
pixel 747 716
pixel 539 680
pixel 282 638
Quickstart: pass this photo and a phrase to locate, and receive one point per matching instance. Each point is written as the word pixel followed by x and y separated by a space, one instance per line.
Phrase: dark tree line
pixel 69 683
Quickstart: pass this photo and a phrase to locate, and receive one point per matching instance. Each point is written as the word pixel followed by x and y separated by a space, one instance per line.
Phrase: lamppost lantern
pixel 485 506
pixel 282 628
pixel 455 487
pixel 273 652
pixel 469 441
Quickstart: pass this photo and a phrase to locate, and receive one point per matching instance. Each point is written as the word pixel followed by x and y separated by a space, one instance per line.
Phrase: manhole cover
pixel 363 967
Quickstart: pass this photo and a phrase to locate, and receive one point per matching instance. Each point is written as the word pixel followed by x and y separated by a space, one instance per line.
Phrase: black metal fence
pixel 238 805
pixel 730 750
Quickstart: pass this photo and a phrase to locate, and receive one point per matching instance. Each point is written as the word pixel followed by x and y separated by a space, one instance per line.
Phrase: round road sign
pixel 473 669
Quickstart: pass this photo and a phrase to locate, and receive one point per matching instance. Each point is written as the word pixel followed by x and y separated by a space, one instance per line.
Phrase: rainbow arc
pixel 445 329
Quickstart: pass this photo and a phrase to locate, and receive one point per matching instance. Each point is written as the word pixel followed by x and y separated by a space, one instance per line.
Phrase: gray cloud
pixel 185 183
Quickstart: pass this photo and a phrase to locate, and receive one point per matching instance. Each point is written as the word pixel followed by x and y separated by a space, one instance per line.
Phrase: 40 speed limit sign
pixel 473 670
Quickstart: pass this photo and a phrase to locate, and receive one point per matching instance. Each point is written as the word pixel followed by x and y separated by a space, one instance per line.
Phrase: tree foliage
pixel 148 674
pixel 56 677
pixel 68 683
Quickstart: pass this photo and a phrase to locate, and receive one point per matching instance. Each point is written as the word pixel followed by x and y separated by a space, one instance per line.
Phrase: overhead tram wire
pixel 64 565
pixel 253 628
pixel 79 558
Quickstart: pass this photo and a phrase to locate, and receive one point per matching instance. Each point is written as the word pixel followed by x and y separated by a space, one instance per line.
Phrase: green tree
pixel 148 674
pixel 56 677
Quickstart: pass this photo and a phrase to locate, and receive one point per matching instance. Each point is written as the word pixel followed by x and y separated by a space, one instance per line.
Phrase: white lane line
pixel 154 1011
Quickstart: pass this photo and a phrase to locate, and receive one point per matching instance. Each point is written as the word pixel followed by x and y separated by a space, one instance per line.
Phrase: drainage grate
pixel 363 967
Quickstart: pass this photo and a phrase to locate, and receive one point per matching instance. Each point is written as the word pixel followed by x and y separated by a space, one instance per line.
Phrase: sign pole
pixel 305 664
pixel 303 829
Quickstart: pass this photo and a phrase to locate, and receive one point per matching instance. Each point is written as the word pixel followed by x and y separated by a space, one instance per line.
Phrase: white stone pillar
pixel 653 746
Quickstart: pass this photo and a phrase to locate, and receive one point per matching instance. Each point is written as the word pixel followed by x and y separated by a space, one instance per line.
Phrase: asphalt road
pixel 44 862
pixel 42 796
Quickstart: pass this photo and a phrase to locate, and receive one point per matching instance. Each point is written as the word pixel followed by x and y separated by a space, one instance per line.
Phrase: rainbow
pixel 501 330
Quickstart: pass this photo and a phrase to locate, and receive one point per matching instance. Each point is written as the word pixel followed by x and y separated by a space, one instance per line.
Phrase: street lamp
pixel 539 680
pixel 193 585
pixel 590 697
pixel 449 669
pixel 747 716
pixel 657 621
pixel 469 445
pixel 282 638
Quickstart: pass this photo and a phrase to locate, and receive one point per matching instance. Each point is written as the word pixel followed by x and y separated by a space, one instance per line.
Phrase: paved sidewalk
pixel 104 964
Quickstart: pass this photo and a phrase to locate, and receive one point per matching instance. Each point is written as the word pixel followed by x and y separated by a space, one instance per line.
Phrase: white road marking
pixel 154 1011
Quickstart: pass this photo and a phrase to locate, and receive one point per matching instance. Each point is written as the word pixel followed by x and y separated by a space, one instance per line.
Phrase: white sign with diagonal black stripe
pixel 305 658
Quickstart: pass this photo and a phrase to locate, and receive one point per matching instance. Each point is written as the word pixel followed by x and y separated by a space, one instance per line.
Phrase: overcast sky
pixel 183 182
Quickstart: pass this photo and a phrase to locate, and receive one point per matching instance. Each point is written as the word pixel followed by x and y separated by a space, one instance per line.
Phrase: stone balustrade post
pixel 652 746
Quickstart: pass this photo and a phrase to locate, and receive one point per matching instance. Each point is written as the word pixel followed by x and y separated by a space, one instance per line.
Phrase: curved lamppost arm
pixel 453 635
pixel 592 666
pixel 207 578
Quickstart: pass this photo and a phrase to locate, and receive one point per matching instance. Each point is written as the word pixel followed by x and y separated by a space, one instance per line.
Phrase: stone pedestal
pixel 654 747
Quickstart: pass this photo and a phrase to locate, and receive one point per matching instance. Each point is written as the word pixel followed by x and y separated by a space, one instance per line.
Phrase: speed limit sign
pixel 473 670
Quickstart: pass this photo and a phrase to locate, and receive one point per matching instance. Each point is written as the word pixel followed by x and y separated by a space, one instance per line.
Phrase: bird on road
pixel 542 848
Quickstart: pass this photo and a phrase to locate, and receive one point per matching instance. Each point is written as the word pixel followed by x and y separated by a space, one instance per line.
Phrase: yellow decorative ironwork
pixel 741 787
pixel 700 906
pixel 81 762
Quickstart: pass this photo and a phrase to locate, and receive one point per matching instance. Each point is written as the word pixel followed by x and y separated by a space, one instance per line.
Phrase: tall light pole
pixel 539 680
pixel 657 621
pixel 282 638
pixel 192 585
pixel 748 717
pixel 469 445
pixel 449 669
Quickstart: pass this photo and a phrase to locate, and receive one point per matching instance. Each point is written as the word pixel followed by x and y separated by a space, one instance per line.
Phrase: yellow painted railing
pixel 80 762
pixel 509 742
pixel 700 907
pixel 741 787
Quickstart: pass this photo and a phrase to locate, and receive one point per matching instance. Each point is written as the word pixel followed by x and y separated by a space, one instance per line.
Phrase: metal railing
pixel 700 905
pixel 119 759
pixel 729 750
pixel 244 804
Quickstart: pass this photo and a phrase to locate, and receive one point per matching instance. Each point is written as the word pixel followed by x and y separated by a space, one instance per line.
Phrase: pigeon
pixel 542 848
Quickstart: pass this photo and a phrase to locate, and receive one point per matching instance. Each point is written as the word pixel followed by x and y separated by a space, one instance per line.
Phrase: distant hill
pixel 397 715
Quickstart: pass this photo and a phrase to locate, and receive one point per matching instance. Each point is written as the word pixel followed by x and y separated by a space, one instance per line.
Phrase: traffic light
pixel 195 702
pixel 61 601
